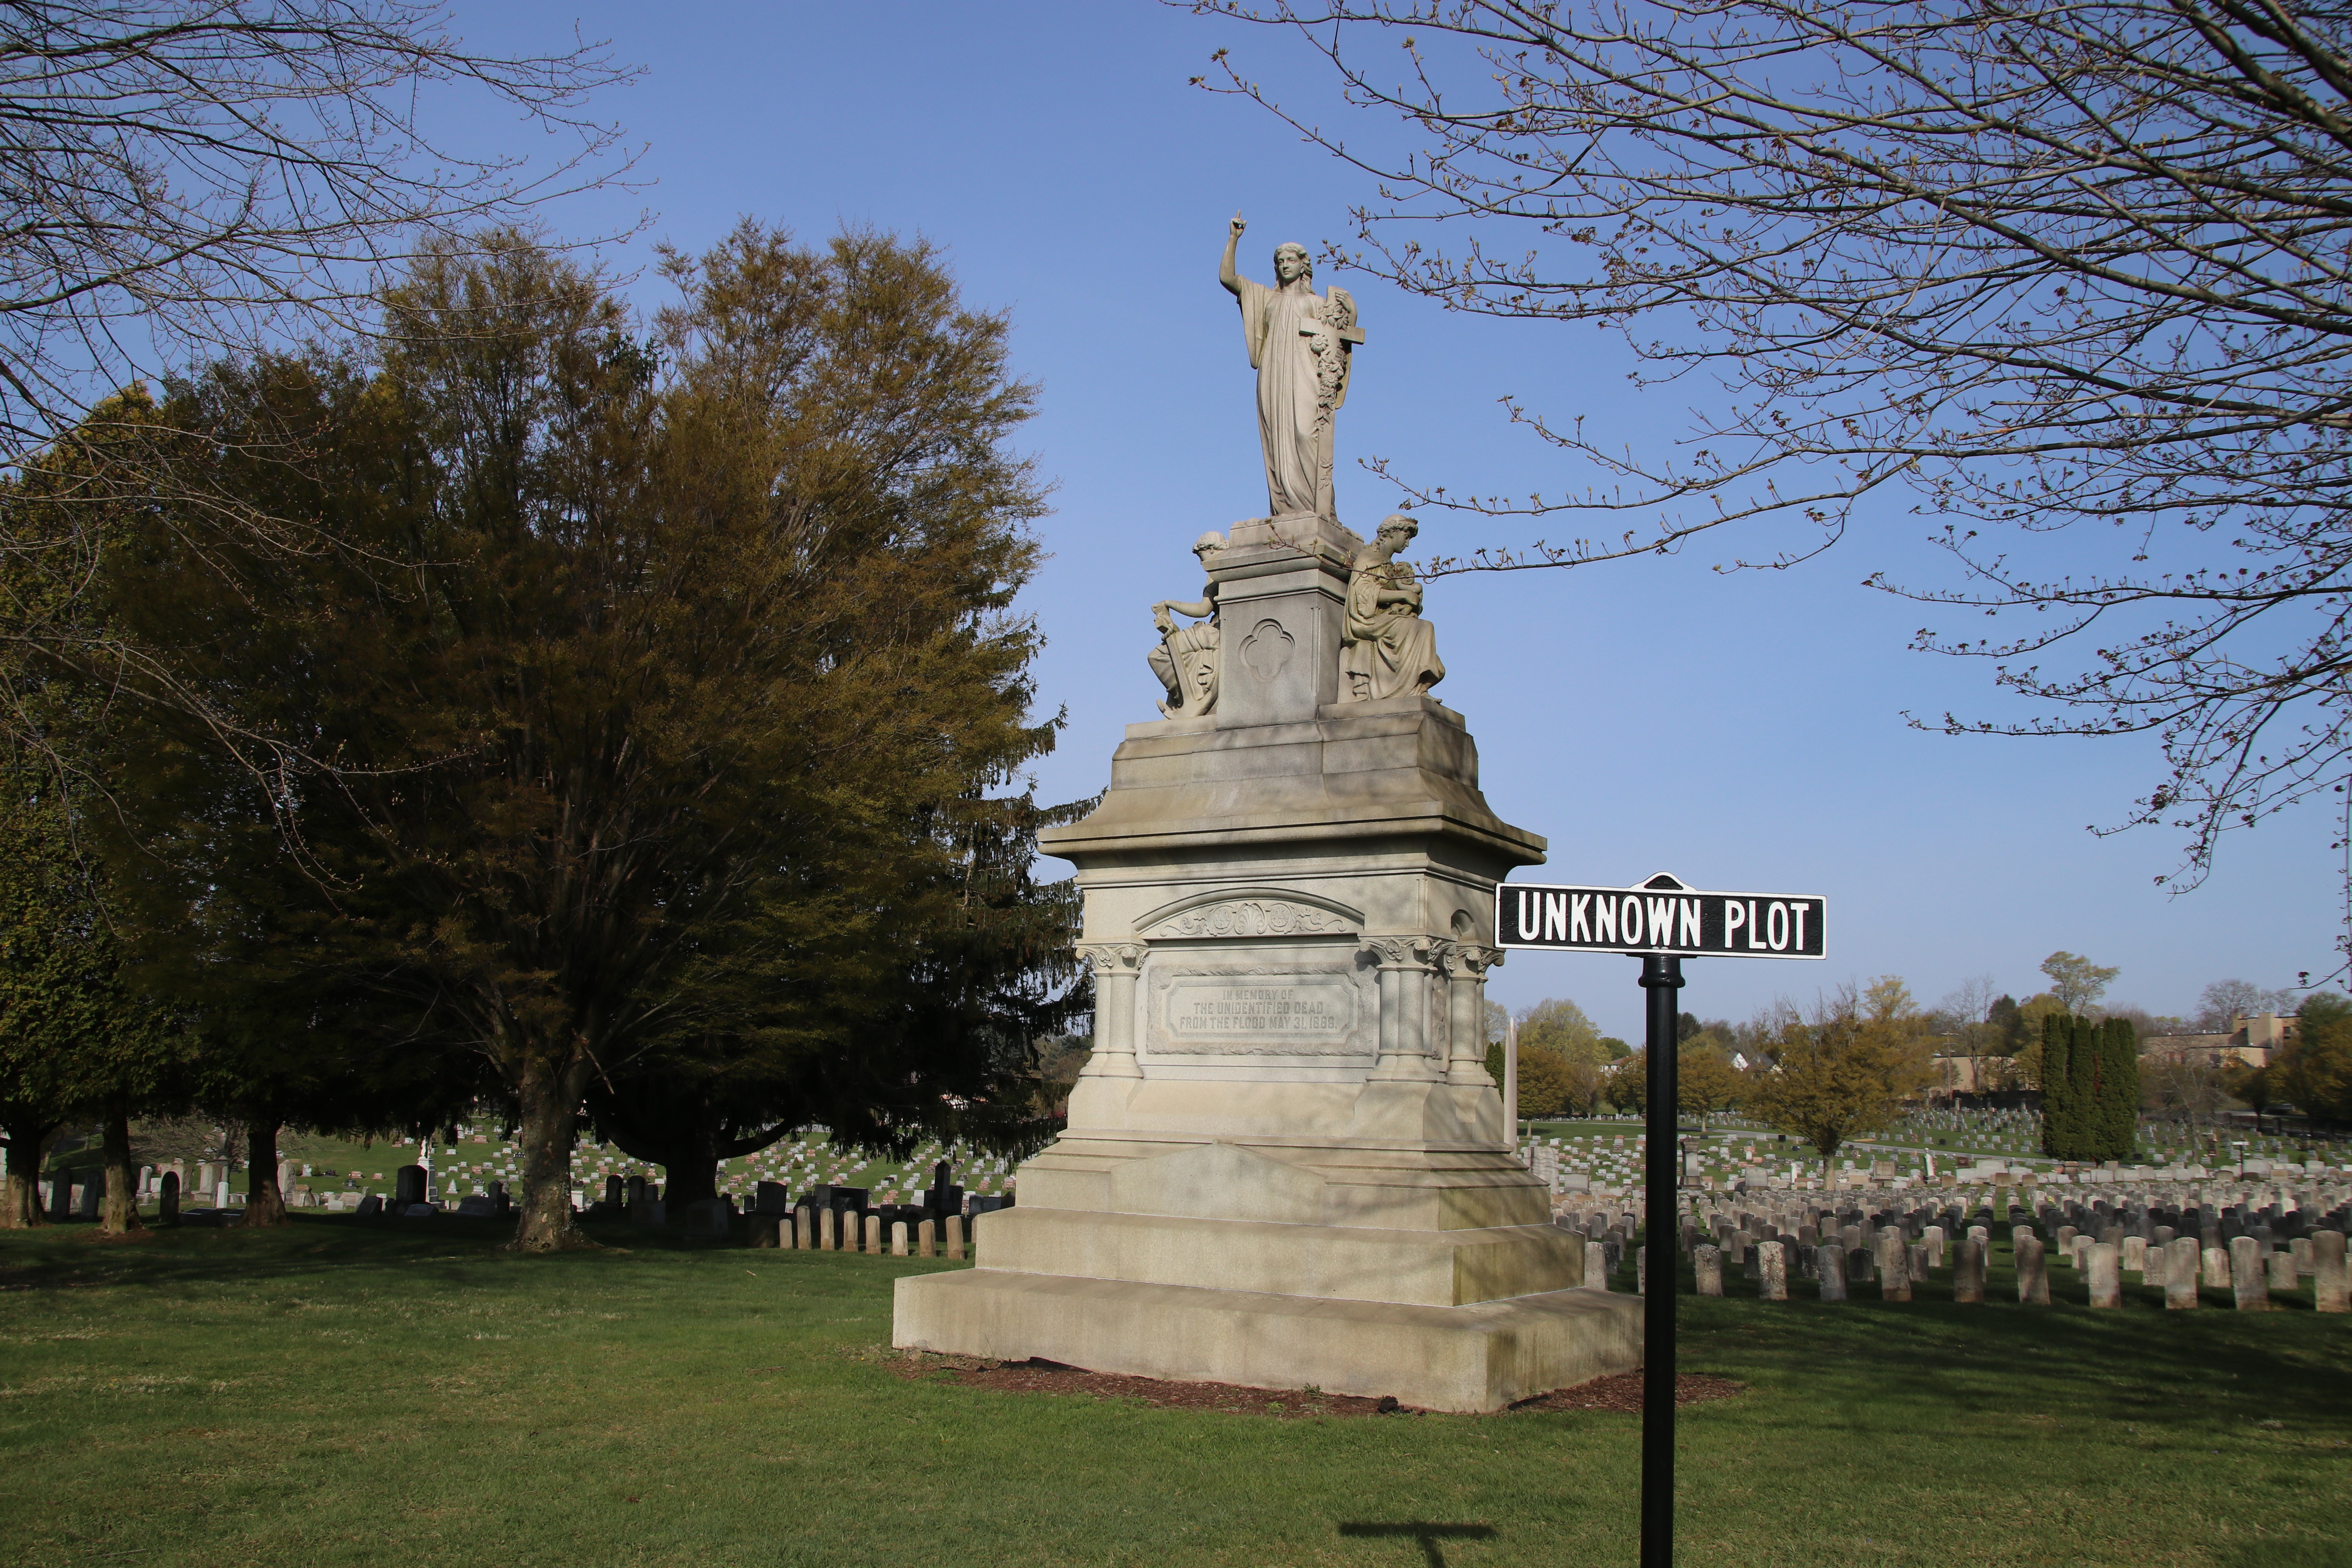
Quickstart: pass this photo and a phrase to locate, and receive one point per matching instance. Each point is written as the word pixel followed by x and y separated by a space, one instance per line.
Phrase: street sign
pixel 1662 915
pixel 1661 922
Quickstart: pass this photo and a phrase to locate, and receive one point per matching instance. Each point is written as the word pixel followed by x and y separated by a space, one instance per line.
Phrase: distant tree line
pixel 1844 1067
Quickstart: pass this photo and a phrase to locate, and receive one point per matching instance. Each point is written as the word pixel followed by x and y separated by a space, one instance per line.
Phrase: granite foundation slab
pixel 1470 1359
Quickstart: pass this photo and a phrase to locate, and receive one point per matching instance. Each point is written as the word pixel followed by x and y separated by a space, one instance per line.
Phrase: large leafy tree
pixel 1834 1076
pixel 644 670
pixel 78 1038
pixel 948 1045
pixel 2315 1069
pixel 81 1035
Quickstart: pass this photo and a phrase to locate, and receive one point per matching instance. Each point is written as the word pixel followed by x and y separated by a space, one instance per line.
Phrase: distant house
pixel 1974 1075
pixel 2250 1043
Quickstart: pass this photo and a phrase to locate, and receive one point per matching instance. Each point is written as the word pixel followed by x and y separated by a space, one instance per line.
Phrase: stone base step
pixel 1469 1359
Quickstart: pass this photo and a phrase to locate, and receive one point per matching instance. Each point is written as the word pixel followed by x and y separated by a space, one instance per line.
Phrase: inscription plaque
pixel 1258 1011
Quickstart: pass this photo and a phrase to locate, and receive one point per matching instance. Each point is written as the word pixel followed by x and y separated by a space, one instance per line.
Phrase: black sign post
pixel 1661 922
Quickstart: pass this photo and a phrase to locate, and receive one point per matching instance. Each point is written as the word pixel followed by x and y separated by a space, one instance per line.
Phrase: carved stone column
pixel 1117 966
pixel 1405 973
pixel 1465 970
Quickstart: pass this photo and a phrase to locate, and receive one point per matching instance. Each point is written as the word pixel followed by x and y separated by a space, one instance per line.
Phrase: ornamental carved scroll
pixel 1250 917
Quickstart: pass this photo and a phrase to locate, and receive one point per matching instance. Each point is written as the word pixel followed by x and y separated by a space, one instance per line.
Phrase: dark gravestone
pixel 371 1206
pixel 168 1209
pixel 408 1187
pixel 946 1197
pixel 842 1200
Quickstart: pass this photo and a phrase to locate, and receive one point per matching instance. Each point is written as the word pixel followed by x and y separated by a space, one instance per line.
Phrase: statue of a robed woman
pixel 1300 344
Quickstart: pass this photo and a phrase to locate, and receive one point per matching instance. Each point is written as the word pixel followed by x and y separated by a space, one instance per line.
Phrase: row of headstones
pixel 2179 1268
pixel 840 1230
pixel 71 1200
pixel 2250 1265
pixel 2217 1216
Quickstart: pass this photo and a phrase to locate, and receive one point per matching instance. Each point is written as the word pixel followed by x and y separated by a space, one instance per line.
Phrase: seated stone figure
pixel 1386 649
pixel 1187 658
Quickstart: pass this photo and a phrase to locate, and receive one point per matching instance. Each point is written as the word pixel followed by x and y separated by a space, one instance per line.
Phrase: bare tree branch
pixel 2045 264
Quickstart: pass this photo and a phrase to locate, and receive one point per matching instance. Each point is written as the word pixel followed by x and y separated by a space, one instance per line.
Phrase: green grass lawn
pixel 337 1393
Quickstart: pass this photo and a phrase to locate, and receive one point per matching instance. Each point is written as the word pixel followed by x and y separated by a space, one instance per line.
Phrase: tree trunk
pixel 264 1204
pixel 691 1173
pixel 120 1214
pixel 20 1199
pixel 548 1099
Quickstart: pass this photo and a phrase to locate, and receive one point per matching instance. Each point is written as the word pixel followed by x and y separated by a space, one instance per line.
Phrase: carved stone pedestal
pixel 1285 1163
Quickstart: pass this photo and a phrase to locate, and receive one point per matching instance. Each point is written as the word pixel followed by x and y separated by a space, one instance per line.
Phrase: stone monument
pixel 1285 1165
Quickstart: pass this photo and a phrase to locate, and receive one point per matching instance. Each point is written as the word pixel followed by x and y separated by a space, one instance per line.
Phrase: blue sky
pixel 1742 731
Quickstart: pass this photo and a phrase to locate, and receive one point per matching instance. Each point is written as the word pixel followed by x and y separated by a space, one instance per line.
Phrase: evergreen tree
pixel 80 1037
pixel 2059 1135
pixel 625 706
pixel 2090 1088
pixel 2118 1090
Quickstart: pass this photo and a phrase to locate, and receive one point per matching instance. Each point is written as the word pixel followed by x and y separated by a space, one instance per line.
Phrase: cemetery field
pixel 341 1392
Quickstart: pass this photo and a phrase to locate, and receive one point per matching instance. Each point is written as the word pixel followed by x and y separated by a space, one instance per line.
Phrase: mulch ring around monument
pixel 1622 1392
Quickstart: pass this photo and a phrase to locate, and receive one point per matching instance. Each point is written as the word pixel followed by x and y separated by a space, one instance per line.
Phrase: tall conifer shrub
pixel 2118 1062
pixel 2090 1089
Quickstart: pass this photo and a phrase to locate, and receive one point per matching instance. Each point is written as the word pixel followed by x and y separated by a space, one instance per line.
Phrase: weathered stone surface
pixel 2331 1288
pixel 2182 1267
pixel 1893 1266
pixel 2103 1274
pixel 2280 1266
pixel 1289 911
pixel 2249 1285
pixel 1829 1268
pixel 2216 1261
pixel 1969 1268
pixel 1773 1260
pixel 1707 1266
pixel 2032 1272
pixel 1476 1358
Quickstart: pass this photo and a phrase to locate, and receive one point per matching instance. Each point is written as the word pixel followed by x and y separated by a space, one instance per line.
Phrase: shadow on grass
pixel 1423 1534
pixel 2290 1554
pixel 2185 1370
pixel 447 1249
pixel 443 1249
